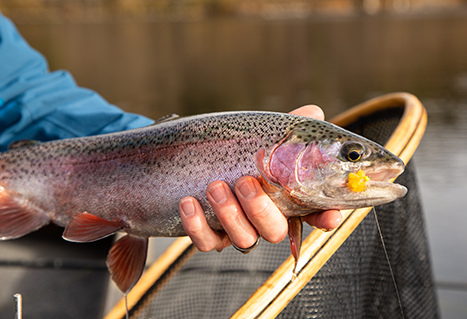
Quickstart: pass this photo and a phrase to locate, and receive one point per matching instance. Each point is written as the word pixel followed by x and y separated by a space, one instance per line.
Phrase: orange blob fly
pixel 357 181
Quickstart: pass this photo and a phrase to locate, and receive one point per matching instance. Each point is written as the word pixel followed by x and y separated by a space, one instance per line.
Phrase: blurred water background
pixel 273 56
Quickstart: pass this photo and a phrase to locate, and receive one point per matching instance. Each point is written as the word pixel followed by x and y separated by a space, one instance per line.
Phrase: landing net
pixel 355 283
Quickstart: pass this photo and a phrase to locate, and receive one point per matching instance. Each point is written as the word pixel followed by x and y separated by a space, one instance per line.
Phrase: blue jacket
pixel 41 105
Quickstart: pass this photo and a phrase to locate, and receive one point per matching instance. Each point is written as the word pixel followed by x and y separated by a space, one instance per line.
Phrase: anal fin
pixel 126 261
pixel 18 219
pixel 295 237
pixel 85 227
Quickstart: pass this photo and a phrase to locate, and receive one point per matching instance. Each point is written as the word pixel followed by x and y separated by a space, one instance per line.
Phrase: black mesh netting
pixel 355 283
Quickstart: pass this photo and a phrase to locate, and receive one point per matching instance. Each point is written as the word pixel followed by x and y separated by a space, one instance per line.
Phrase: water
pixel 238 64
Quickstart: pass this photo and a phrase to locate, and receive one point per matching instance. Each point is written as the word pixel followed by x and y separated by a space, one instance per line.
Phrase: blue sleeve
pixel 41 105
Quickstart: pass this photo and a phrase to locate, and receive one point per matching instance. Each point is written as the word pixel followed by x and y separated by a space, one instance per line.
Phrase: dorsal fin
pixel 21 143
pixel 85 227
pixel 16 219
pixel 126 261
pixel 167 118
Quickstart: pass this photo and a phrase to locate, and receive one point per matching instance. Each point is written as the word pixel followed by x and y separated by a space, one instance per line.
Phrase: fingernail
pixel 187 207
pixel 218 193
pixel 247 188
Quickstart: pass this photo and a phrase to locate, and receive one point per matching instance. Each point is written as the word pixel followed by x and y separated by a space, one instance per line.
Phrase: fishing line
pixel 126 306
pixel 389 264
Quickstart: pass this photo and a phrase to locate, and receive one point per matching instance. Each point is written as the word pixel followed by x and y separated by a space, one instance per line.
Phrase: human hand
pixel 249 213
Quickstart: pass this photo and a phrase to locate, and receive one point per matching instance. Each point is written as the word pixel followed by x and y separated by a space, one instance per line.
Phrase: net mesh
pixel 355 283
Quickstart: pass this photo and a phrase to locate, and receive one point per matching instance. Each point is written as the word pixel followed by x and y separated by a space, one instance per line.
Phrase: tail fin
pixel 16 219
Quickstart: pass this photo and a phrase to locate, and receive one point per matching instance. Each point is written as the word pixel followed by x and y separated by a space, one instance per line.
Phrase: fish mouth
pixel 380 188
pixel 381 178
pixel 381 175
pixel 384 174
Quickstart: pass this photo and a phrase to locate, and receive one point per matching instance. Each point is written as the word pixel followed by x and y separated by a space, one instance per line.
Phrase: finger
pixel 230 214
pixel 325 221
pixel 261 211
pixel 313 111
pixel 195 225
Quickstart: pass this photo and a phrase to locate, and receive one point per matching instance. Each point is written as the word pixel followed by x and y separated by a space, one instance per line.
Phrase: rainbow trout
pixel 132 181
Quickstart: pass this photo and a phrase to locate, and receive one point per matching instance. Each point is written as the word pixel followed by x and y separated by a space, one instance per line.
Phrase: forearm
pixel 42 105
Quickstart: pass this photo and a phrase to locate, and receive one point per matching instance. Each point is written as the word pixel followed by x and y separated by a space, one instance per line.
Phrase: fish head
pixel 309 170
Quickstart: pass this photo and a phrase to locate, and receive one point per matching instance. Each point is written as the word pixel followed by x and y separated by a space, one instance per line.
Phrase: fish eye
pixel 353 156
pixel 352 151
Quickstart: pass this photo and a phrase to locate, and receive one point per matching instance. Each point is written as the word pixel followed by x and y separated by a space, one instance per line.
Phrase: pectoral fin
pixel 295 237
pixel 85 227
pixel 17 219
pixel 126 261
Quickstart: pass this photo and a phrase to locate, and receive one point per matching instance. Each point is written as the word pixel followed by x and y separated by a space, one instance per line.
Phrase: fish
pixel 132 181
